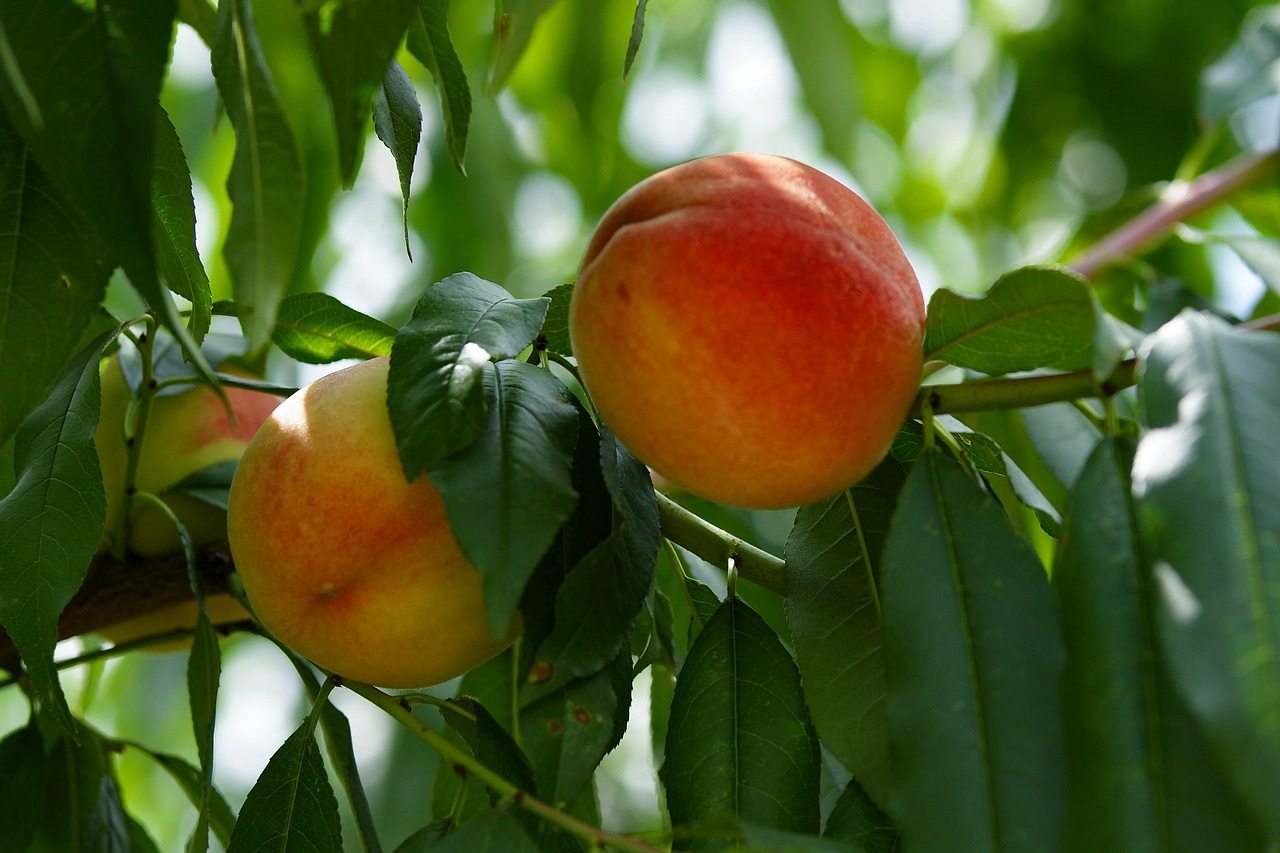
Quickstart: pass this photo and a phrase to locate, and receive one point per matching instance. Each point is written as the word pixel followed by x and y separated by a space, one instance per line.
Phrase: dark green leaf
pixel 496 831
pixel 52 521
pixel 173 226
pixel 1246 71
pixel 82 808
pixel 567 733
pixel 429 41
pixel 354 41
pixel 739 743
pixel 1207 475
pixel 316 328
pixel 556 326
pixel 859 822
pixel 95 133
pixel 291 806
pixel 397 119
pixel 759 839
pixel 598 600
pixel 491 744
pixel 1062 437
pixel 509 492
pixel 833 611
pixel 21 785
pixel 633 43
pixel 265 184
pixel 435 389
pixel 513 22
pixel 989 460
pixel 210 485
pixel 204 671
pixel 972 657
pixel 1032 317
pixel 1142 774
pixel 55 273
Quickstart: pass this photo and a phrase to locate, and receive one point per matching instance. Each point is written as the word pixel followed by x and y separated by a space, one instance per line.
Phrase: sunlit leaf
pixel 739 743
pixel 429 41
pixel 265 184
pixel 1246 72
pixel 316 328
pixel 972 708
pixel 435 390
pixel 52 521
pixel 1207 475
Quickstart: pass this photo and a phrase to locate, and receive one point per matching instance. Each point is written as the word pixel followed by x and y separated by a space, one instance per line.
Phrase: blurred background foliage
pixel 990 133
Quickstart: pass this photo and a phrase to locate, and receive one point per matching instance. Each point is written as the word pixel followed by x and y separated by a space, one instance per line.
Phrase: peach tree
pixel 1048 619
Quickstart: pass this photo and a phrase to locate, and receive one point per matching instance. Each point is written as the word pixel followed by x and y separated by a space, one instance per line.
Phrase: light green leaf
pixel 833 611
pixel 513 23
pixel 315 328
pixel 739 743
pixel 1030 318
pixel 221 819
pixel 397 119
pixel 1142 776
pixel 972 657
pixel 52 521
pixel 173 226
pixel 429 41
pixel 291 806
pixel 355 41
pixel 509 492
pixel 54 275
pixel 265 183
pixel 1207 476
pixel 1247 71
pixel 435 390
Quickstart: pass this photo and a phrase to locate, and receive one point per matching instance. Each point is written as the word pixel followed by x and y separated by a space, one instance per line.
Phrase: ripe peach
pixel 749 328
pixel 343 559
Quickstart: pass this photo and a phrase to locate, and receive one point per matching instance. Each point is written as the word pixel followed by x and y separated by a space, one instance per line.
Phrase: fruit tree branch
pixel 1178 202
pixel 718 547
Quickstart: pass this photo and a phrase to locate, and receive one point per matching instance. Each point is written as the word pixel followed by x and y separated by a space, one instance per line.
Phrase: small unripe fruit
pixel 343 559
pixel 749 328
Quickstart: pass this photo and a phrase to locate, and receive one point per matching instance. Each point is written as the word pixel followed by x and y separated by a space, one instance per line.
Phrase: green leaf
pixel 210 485
pixel 1207 476
pixel 173 226
pixel 1246 72
pixel 739 742
pixel 221 819
pixel 496 831
pixel 291 806
pixel 82 807
pixel 860 823
pixel 568 732
pixel 833 611
pixel 95 132
pixel 1033 317
pixel 990 460
pixel 513 23
pixel 633 43
pixel 429 41
pixel 204 671
pixel 555 328
pixel 598 601
pixel 972 657
pixel 21 785
pixel 759 839
pixel 509 492
pixel 1260 254
pixel 52 521
pixel 1142 775
pixel 397 119
pixel 491 744
pixel 316 328
pixel 54 275
pixel 355 41
pixel 265 183
pixel 435 389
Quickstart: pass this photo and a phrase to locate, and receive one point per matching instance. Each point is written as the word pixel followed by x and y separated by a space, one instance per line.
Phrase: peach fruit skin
pixel 343 559
pixel 750 329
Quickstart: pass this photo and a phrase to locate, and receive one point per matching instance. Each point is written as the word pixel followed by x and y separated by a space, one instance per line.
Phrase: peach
pixel 345 560
pixel 749 328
